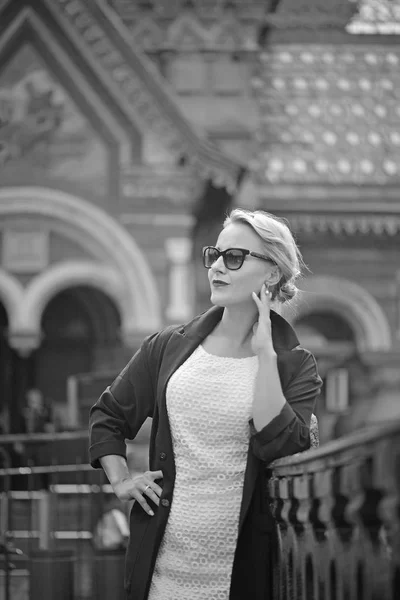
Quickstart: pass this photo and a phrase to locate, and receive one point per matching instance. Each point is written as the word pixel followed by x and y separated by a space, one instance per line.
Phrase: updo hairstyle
pixel 279 245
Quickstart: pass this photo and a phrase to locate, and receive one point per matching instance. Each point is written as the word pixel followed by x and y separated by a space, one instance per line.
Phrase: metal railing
pixel 50 515
pixel 337 510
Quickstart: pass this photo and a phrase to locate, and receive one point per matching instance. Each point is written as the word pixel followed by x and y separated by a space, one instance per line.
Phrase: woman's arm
pixel 267 379
pixel 281 418
pixel 288 431
pixel 122 409
pixel 116 469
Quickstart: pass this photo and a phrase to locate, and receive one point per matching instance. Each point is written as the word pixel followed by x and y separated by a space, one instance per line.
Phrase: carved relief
pixel 187 33
pixel 202 9
pixel 142 91
pixel 205 26
pixel 147 34
pixel 115 64
pixel 41 127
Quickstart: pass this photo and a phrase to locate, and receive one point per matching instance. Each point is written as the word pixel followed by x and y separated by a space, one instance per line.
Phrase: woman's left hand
pixel 261 342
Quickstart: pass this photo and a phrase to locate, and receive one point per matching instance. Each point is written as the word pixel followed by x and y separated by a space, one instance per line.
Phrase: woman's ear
pixel 274 276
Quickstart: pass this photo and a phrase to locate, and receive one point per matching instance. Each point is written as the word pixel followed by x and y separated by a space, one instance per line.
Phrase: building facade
pixel 128 128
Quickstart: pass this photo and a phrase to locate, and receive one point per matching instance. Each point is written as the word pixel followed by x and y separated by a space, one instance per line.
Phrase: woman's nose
pixel 219 264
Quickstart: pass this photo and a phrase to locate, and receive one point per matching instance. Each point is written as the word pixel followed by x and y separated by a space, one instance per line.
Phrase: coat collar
pixel 283 335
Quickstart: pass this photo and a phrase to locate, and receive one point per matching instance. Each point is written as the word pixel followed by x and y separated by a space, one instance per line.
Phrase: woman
pixel 229 392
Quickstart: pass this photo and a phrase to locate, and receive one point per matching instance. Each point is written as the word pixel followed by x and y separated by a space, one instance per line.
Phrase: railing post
pixel 45 517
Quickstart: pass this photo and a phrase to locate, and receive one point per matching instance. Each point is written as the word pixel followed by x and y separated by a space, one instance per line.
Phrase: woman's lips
pixel 219 283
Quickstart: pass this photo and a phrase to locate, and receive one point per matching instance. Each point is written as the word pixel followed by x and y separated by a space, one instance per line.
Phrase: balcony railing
pixel 338 515
pixel 337 510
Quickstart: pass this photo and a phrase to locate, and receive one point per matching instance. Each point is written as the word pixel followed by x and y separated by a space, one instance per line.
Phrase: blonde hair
pixel 279 245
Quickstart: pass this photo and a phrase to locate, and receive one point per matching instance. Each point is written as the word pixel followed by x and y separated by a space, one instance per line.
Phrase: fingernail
pixel 151 513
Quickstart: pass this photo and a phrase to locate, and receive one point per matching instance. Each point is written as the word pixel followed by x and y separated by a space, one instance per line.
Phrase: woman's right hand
pixel 137 488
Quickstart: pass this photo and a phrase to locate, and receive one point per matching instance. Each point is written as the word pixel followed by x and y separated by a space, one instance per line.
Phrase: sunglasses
pixel 233 257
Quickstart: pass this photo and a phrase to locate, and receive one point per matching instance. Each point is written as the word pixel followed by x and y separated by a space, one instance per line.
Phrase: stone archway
pixel 350 301
pixel 11 294
pixel 118 265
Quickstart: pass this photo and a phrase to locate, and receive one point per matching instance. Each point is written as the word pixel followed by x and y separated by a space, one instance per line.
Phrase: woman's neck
pixel 236 325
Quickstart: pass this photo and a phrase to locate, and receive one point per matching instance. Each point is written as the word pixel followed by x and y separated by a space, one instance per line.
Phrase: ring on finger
pixel 145 489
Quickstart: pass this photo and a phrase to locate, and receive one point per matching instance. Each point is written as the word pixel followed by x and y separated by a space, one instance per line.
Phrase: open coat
pixel 140 392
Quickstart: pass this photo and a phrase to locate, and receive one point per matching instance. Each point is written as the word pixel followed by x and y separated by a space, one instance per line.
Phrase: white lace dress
pixel 209 400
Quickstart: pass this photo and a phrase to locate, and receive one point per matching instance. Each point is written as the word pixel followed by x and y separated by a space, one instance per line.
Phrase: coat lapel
pixel 182 344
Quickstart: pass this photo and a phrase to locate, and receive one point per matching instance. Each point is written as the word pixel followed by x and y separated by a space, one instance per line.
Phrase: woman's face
pixel 249 278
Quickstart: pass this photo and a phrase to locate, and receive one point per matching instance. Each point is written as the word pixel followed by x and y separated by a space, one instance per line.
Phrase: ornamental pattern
pixel 177 186
pixel 188 32
pixel 99 45
pixel 139 87
pixel 348 224
pixel 329 114
pixel 212 18
pixel 205 25
pixel 376 17
pixel 204 9
pixel 311 14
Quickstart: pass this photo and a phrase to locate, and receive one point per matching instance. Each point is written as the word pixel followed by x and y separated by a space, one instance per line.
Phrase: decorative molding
pixel 349 300
pixel 376 17
pixel 27 16
pixel 181 187
pixel 137 85
pixel 187 32
pixel 147 34
pixel 61 276
pixel 346 224
pixel 29 303
pixel 311 15
pixel 185 221
pixel 137 293
pixel 203 10
pixel 24 342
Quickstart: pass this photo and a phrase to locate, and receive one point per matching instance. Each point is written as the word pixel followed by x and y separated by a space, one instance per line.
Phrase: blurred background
pixel 128 130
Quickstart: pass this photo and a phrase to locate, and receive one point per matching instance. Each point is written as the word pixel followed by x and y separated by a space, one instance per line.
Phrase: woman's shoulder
pixel 160 338
pixel 306 364
pixel 154 345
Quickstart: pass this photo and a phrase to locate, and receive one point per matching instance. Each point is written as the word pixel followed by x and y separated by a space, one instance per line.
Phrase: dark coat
pixel 139 392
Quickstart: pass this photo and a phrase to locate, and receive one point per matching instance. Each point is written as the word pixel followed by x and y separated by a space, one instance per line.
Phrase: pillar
pixel 180 297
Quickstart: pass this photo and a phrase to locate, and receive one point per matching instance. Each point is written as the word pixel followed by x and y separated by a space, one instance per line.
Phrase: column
pixel 181 280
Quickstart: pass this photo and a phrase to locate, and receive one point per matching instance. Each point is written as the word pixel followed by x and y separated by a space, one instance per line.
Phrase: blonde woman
pixel 228 392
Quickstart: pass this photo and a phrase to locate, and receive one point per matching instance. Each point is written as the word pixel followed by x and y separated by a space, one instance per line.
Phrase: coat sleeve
pixel 289 432
pixel 122 408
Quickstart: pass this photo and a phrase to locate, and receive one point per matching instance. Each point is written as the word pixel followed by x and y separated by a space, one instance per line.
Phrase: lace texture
pixel 209 400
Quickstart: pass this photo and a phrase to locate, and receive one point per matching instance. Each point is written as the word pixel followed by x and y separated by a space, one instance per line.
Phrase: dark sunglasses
pixel 233 257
